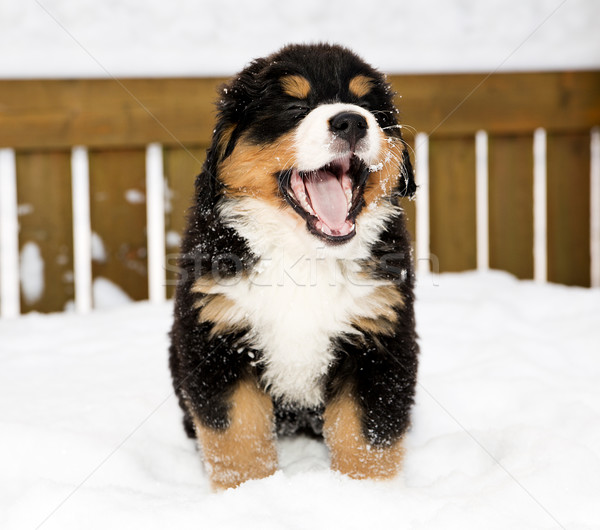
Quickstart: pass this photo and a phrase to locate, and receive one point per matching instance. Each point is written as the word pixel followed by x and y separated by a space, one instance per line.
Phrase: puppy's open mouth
pixel 329 198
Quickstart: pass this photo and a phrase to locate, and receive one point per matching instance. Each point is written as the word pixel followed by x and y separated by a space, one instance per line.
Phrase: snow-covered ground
pixel 506 428
pixel 63 38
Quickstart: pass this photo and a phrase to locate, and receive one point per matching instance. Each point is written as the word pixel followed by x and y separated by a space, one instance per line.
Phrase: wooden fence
pixel 509 165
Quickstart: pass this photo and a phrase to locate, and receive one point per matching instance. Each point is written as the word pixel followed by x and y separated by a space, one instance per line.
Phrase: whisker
pixel 409 127
pixel 404 143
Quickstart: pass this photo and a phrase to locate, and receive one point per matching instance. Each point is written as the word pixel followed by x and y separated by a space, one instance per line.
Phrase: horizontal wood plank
pixel 499 103
pixel 134 112
pixel 106 113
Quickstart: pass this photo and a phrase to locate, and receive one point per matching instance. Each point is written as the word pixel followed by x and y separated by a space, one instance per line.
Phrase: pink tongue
pixel 328 199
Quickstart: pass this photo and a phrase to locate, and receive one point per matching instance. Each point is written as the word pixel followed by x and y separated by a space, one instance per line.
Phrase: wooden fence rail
pixel 489 202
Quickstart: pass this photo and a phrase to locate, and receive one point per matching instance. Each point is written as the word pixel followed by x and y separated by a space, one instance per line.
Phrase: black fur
pixel 380 368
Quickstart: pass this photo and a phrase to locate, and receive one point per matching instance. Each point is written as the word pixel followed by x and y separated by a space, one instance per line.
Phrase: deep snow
pixel 506 428
pixel 62 38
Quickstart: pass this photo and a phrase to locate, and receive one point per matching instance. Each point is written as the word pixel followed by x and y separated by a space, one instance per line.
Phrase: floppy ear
pixel 208 186
pixel 407 185
pixel 233 110
pixel 231 106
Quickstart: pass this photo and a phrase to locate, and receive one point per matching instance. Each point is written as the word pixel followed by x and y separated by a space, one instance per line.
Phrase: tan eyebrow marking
pixel 361 85
pixel 295 86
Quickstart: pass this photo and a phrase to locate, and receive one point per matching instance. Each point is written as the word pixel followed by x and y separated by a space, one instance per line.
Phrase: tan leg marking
pixel 246 449
pixel 351 453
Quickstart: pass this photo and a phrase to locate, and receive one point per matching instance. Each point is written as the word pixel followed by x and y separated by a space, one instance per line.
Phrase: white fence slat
pixel 422 206
pixel 540 218
pixel 82 231
pixel 482 206
pixel 10 304
pixel 155 213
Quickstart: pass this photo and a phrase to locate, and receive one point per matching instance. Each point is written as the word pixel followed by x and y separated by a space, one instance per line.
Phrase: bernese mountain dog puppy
pixel 294 310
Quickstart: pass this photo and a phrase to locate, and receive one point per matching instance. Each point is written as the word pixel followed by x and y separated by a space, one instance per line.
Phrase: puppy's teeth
pixel 348 196
pixel 304 203
pixel 347 187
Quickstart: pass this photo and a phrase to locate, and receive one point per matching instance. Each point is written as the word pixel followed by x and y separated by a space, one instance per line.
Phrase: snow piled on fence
pixel 505 435
pixel 62 38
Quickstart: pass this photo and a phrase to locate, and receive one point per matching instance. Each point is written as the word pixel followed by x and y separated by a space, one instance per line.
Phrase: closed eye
pixel 298 110
pixel 298 107
pixel 365 105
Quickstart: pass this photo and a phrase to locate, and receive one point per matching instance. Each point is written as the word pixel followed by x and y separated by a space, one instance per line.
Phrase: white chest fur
pixel 299 296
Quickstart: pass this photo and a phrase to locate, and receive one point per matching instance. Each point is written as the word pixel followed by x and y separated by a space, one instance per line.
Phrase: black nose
pixel 349 126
